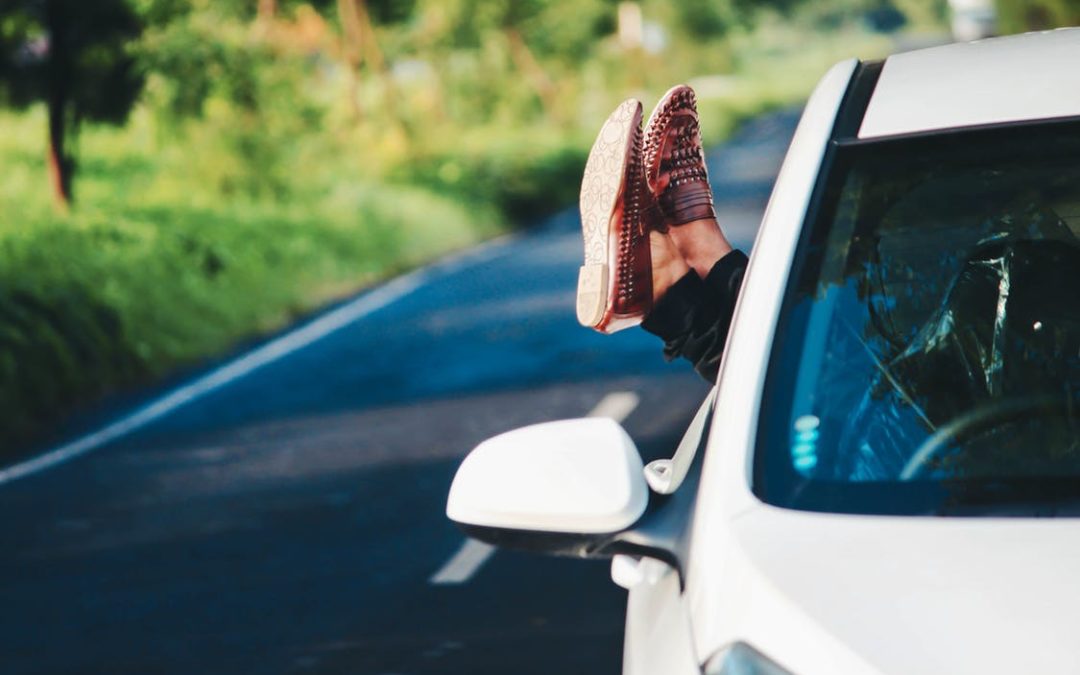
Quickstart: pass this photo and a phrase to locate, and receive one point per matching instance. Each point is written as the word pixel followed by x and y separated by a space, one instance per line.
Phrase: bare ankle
pixel 668 265
pixel 701 243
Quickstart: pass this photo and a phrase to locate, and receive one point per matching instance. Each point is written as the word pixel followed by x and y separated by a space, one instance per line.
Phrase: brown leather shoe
pixel 617 212
pixel 674 159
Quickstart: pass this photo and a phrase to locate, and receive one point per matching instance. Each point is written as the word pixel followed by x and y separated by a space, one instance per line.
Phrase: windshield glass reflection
pixel 933 336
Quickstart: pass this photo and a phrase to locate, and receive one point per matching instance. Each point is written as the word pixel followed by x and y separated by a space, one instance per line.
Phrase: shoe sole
pixel 602 187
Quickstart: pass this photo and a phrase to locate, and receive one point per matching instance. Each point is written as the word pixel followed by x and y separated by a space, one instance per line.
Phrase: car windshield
pixel 927 359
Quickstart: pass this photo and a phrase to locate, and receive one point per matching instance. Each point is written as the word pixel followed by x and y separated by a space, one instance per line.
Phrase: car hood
pixel 920 595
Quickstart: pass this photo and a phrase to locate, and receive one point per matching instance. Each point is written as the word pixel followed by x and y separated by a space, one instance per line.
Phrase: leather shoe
pixel 617 212
pixel 674 160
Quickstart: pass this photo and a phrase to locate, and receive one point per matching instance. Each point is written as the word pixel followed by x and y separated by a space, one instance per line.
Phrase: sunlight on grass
pixel 191 234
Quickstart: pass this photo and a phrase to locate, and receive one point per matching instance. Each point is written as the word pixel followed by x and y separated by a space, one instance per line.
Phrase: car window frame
pixel 843 150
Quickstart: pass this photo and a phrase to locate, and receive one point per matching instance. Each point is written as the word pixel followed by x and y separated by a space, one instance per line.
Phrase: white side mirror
pixel 575 477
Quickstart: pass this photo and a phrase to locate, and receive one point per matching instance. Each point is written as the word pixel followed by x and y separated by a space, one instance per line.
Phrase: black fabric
pixel 694 315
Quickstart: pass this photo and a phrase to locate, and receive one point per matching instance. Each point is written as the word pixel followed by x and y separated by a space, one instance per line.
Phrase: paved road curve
pixel 291 520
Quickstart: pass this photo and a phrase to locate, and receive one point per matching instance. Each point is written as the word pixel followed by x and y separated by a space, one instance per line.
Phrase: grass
pixel 180 246
pixel 136 282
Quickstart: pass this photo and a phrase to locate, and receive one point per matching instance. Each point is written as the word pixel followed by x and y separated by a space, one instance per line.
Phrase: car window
pixel 928 354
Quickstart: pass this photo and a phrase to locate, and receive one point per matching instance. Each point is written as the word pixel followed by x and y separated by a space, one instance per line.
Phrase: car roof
pixel 999 80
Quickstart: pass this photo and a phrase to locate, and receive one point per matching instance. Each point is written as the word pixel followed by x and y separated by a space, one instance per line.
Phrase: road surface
pixel 289 518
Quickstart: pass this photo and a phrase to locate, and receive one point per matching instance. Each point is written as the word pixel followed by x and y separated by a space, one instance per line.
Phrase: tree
pixel 1015 16
pixel 535 35
pixel 360 43
pixel 73 56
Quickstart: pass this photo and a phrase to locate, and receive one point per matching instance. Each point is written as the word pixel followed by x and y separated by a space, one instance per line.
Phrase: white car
pixel 886 477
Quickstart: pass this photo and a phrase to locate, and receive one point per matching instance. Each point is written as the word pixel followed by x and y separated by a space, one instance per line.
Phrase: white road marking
pixel 274 350
pixel 473 554
pixel 464 564
pixel 617 405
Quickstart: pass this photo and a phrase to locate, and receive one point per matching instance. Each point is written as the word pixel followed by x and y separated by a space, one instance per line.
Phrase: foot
pixel 676 174
pixel 702 243
pixel 615 285
pixel 674 159
pixel 668 264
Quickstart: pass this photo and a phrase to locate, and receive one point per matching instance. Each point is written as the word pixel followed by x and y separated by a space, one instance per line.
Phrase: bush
pixel 258 179
pixel 131 287
pixel 522 179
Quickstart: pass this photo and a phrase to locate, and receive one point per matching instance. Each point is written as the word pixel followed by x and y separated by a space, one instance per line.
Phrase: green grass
pixel 136 282
pixel 182 244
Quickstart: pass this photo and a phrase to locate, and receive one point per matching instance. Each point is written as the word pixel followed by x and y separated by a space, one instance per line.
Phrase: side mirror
pixel 560 487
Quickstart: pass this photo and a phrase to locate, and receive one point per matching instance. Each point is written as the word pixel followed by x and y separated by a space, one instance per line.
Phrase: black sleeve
pixel 693 316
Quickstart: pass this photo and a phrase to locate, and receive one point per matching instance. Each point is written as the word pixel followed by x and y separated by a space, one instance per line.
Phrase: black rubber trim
pixel 946 133
pixel 853 107
pixel 846 126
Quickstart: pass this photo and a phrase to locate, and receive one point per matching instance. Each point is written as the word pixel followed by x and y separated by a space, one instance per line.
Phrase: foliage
pixel 211 82
pixel 133 285
pixel 73 49
pixel 283 153
pixel 73 56
pixel 1016 16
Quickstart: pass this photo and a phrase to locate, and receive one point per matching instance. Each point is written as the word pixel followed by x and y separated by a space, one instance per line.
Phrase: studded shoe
pixel 674 160
pixel 617 211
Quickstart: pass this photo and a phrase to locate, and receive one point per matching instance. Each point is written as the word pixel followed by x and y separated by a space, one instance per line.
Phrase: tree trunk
pixel 267 10
pixel 533 72
pixel 60 164
pixel 351 30
pixel 59 75
pixel 375 58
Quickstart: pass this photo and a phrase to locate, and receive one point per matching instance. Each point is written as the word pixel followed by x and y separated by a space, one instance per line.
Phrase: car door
pixel 658 632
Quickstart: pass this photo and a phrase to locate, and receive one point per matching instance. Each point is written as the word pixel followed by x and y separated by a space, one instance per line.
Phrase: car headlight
pixel 742 659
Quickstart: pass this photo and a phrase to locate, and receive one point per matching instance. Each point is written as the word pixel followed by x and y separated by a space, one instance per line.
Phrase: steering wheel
pixel 982 419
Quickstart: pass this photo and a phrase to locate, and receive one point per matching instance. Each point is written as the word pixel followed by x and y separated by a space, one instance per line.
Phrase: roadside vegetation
pixel 216 169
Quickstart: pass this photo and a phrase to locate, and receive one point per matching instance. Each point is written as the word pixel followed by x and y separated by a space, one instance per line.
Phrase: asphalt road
pixel 291 518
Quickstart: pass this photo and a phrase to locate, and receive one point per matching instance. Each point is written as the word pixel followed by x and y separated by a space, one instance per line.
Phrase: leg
pixel 657 188
pixel 676 174
pixel 702 243
pixel 694 315
pixel 668 264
